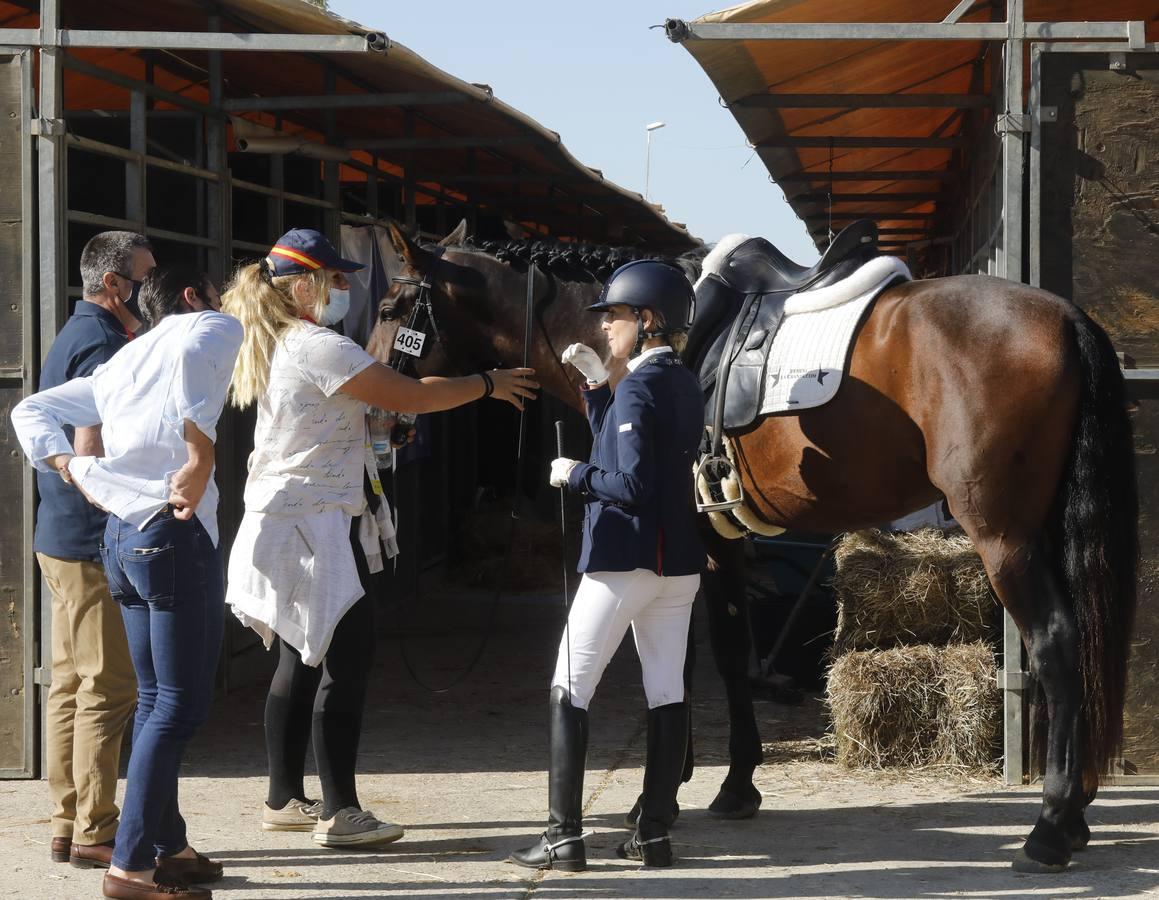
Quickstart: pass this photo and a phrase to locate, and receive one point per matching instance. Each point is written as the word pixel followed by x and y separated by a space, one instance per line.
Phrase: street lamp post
pixel 648 129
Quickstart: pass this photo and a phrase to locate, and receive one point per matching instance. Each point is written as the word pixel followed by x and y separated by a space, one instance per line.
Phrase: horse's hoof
pixel 1079 834
pixel 1047 849
pixel 728 805
pixel 1023 863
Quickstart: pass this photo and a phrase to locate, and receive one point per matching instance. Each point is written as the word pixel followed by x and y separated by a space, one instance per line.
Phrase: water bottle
pixel 380 423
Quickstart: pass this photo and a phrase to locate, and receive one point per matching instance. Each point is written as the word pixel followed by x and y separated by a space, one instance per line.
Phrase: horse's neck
pixel 562 321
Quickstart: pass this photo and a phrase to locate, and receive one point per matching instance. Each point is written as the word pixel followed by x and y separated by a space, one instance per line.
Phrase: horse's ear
pixel 515 231
pixel 456 237
pixel 408 250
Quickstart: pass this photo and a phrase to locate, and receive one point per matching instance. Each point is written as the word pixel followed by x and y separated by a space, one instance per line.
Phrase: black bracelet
pixel 488 385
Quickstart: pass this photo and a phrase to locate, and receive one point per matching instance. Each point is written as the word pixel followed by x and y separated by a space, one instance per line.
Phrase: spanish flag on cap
pixel 306 250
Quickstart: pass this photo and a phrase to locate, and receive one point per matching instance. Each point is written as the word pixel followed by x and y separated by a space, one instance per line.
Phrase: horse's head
pixel 440 300
pixel 470 307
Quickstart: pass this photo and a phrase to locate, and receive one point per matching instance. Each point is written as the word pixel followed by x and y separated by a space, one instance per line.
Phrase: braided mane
pixel 576 262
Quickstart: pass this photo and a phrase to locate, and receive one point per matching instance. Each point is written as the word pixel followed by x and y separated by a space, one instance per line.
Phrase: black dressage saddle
pixel 739 310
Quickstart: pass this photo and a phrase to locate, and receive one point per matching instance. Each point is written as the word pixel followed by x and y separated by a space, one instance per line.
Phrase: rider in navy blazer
pixel 641 557
pixel 637 485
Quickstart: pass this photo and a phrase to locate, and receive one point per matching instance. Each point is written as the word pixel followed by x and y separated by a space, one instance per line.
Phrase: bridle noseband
pixel 421 314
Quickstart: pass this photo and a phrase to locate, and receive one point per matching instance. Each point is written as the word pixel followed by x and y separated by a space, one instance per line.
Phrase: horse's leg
pixel 727 601
pixel 1024 578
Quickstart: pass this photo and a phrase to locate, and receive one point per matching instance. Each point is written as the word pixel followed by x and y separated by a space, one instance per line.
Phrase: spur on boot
pixel 567 854
pixel 655 851
pixel 561 846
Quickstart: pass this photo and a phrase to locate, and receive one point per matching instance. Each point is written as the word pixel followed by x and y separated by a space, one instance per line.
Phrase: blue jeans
pixel 170 584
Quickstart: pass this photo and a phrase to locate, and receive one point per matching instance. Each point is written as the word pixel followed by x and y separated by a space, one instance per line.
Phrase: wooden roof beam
pixel 841 142
pixel 821 197
pixel 444 143
pixel 875 215
pixel 797 177
pixel 345 101
pixel 863 101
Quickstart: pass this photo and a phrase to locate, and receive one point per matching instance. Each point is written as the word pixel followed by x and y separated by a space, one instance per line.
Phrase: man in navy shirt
pixel 93 686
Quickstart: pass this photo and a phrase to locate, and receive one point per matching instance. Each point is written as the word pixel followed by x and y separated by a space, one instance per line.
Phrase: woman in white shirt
pixel 158 401
pixel 298 565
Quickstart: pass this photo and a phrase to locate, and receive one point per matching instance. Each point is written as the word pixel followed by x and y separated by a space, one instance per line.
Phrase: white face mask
pixel 336 311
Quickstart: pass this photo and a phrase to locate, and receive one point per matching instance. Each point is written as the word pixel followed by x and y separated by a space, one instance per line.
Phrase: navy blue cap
pixel 306 250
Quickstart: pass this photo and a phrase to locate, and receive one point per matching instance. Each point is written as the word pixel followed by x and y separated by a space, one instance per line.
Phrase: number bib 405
pixel 409 341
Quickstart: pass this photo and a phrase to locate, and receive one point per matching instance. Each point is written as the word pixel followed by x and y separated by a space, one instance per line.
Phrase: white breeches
pixel 658 609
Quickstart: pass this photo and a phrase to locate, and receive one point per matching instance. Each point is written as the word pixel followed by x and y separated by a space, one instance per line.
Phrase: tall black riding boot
pixel 633 815
pixel 667 744
pixel 562 845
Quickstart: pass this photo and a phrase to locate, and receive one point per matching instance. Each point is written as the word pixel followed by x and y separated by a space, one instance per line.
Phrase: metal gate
pixel 1094 238
pixel 17 603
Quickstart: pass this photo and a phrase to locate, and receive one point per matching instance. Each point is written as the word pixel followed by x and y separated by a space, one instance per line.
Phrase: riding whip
pixel 563 538
pixel 527 332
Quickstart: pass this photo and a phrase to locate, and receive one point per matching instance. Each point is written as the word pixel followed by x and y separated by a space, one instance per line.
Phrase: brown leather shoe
pixel 125 889
pixel 91 856
pixel 176 870
pixel 60 848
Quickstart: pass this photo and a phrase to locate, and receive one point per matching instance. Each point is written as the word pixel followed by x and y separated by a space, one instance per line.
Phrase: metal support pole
pixel 680 31
pixel 1012 129
pixel 217 160
pixel 277 204
pixel 409 172
pixel 1034 175
pixel 51 155
pixel 331 186
pixel 208 41
pixel 372 188
pixel 135 203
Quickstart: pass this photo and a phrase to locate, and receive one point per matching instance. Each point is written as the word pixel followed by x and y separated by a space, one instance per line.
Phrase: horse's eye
pixel 388 314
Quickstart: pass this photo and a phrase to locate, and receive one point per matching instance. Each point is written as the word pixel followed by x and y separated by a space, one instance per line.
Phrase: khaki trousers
pixel 91 699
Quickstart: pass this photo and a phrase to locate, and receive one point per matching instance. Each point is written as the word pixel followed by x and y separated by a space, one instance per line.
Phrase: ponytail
pixel 265 306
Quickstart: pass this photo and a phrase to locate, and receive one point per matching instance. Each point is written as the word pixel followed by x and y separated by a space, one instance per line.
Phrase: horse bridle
pixel 423 307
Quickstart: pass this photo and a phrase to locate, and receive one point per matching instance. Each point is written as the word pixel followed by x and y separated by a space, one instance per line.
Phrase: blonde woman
pixel 299 563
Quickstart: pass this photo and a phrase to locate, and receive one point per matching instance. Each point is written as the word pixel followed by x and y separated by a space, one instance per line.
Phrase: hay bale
pixel 917 706
pixel 921 587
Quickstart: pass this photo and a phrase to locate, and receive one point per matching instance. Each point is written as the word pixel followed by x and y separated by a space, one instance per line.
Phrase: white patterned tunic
pixel 292 570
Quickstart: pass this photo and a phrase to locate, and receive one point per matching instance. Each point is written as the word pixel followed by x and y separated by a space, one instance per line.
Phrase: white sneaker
pixel 355 827
pixel 296 815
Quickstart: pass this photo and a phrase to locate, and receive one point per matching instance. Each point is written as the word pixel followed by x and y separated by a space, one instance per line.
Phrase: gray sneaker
pixel 296 815
pixel 355 827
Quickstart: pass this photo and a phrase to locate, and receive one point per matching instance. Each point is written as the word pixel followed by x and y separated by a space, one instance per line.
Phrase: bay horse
pixel 1005 400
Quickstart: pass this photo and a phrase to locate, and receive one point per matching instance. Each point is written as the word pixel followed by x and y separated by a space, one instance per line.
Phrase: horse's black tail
pixel 1100 542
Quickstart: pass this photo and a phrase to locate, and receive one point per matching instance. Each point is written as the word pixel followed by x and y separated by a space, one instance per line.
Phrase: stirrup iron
pixel 720 468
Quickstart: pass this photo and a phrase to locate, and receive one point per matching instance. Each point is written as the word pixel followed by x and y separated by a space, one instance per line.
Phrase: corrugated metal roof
pixel 800 142
pixel 526 172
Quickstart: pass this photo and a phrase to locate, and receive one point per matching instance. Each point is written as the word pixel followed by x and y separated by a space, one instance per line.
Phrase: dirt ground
pixel 464 772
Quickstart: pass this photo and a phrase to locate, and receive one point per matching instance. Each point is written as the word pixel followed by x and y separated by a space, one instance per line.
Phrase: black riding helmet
pixel 650 284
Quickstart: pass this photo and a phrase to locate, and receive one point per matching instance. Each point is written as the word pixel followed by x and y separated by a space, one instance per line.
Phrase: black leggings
pixel 326 700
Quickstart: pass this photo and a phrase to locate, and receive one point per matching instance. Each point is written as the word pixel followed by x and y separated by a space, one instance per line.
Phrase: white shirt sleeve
pixel 204 371
pixel 39 420
pixel 328 360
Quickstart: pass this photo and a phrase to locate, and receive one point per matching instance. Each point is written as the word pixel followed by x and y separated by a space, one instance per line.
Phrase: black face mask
pixel 132 304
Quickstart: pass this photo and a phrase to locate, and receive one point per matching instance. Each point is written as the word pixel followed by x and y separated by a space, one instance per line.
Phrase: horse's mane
pixel 576 262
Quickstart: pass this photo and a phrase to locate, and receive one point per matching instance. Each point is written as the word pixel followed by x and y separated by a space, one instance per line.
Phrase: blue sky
pixel 596 74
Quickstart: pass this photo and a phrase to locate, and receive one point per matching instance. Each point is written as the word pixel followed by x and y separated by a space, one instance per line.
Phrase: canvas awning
pixel 883 126
pixel 390 109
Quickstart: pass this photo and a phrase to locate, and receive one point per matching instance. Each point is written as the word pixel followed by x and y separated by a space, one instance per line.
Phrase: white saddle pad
pixel 811 349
